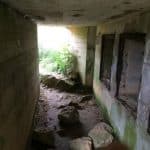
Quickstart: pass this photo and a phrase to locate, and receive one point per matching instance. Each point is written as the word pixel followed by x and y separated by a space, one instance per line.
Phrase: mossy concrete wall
pixel 135 136
pixel 19 86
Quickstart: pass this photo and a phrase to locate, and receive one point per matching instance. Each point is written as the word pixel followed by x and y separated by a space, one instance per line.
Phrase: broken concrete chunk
pixel 69 115
pixel 84 143
pixel 101 135
pixel 44 137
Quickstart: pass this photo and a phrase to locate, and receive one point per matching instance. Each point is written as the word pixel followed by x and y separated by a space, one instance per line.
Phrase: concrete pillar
pixel 79 48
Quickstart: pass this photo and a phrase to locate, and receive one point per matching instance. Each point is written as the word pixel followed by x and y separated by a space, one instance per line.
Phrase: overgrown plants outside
pixel 59 61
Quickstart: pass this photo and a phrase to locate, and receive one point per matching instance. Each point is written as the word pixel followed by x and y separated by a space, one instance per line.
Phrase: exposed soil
pixel 51 102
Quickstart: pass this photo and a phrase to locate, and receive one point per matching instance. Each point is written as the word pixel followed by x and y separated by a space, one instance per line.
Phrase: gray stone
pixel 49 81
pixel 76 105
pixel 62 84
pixel 65 85
pixel 91 103
pixel 101 135
pixel 86 98
pixel 69 115
pixel 44 137
pixel 84 143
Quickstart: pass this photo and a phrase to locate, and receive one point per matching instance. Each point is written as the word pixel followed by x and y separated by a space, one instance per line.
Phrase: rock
pixel 84 143
pixel 86 98
pixel 44 137
pixel 61 132
pixel 105 126
pixel 76 105
pixel 69 115
pixel 49 81
pixel 62 84
pixel 61 106
pixel 65 85
pixel 101 135
pixel 91 102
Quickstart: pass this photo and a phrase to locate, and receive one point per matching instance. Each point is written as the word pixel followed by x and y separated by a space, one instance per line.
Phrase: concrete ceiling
pixel 82 12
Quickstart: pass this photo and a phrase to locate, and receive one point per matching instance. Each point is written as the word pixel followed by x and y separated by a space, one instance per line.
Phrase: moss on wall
pixel 124 124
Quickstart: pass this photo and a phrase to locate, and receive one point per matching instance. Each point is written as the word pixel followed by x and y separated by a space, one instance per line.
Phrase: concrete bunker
pixel 127 74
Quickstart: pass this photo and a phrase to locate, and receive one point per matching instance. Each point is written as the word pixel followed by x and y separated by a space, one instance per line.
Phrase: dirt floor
pixel 50 104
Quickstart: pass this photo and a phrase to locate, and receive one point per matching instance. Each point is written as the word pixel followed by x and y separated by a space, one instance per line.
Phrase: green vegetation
pixel 62 61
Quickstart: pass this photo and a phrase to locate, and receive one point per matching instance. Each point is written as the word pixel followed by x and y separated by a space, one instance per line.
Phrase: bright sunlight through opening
pixel 51 37
pixel 55 44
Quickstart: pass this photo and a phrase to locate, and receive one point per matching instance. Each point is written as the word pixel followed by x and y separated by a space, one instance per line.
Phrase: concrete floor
pixel 50 104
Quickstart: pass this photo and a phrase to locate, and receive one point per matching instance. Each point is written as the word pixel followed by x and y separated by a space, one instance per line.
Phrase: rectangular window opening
pixel 129 70
pixel 106 59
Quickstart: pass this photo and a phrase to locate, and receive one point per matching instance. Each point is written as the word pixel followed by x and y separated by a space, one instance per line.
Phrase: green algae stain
pixel 130 135
pixel 104 111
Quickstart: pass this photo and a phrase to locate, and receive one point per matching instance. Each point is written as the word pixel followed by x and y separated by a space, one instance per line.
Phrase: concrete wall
pixel 79 48
pixel 83 46
pixel 18 78
pixel 134 135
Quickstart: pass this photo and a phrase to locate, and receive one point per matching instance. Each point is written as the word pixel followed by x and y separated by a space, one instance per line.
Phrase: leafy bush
pixel 62 61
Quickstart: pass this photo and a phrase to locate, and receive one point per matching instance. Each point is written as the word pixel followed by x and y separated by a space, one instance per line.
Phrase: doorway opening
pixel 55 50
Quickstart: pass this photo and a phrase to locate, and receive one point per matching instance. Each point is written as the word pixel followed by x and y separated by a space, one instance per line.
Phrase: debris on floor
pixel 64 84
pixel 69 120
pixel 68 116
